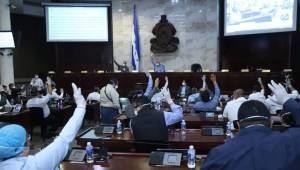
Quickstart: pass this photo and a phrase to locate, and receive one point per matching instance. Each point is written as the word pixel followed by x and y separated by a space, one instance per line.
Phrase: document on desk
pixel 92 135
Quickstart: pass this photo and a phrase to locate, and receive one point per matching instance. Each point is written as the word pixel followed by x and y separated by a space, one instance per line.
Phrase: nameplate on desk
pixel 205 70
pixel 165 158
pixel 150 71
pixel 212 131
pixel 134 71
pixel 83 72
pixel 76 155
pixel 187 71
pixel 104 129
pixel 210 115
pixel 100 71
pixel 265 71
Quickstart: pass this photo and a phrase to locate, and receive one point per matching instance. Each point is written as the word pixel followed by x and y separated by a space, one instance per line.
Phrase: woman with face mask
pixel 110 104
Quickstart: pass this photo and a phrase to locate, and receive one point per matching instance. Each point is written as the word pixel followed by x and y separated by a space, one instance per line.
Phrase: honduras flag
pixel 135 43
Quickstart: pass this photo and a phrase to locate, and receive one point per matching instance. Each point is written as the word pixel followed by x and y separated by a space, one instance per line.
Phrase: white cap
pixel 89 143
pixel 191 147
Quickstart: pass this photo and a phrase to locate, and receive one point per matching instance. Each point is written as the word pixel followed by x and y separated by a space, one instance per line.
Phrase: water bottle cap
pixel 89 143
pixel 191 147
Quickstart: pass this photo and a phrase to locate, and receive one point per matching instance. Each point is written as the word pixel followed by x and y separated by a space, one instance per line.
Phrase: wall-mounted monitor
pixel 6 39
pixel 77 22
pixel 259 16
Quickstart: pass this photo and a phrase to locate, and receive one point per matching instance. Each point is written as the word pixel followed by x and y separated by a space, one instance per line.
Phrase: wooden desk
pixel 126 142
pixel 125 161
pixel 22 118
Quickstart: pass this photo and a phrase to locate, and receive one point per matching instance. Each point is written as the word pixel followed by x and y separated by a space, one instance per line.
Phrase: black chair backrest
pixel 37 116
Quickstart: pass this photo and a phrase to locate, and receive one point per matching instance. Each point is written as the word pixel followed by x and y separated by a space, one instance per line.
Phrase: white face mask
pixel 36 77
pixel 135 112
pixel 116 87
pixel 183 84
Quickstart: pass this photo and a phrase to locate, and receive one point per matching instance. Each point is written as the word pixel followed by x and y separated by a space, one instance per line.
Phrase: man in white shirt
pixel 54 94
pixel 109 102
pixel 15 143
pixel 94 96
pixel 232 107
pixel 258 94
pixel 37 82
pixel 38 100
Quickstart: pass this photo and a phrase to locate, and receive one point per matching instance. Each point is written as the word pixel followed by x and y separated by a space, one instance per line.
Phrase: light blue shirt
pixel 159 68
pixel 193 98
pixel 149 87
pixel 182 93
pixel 211 105
pixel 175 116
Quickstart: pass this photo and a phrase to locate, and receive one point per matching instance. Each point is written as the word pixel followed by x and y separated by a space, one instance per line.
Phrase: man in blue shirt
pixel 257 147
pixel 207 104
pixel 157 66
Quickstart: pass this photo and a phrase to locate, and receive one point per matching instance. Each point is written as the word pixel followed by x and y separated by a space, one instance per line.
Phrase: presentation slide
pixel 7 40
pixel 76 24
pixel 259 16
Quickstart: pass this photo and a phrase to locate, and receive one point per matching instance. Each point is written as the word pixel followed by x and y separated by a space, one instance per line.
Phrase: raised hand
pixel 279 91
pixel 259 80
pixel 79 99
pixel 167 95
pixel 156 82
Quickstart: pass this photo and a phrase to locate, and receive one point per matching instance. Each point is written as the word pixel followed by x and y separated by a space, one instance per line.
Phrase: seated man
pixel 184 90
pixel 3 98
pixel 15 143
pixel 54 94
pixel 258 93
pixel 157 94
pixel 208 104
pixel 257 146
pixel 94 96
pixel 195 96
pixel 38 100
pixel 232 107
pixel 151 124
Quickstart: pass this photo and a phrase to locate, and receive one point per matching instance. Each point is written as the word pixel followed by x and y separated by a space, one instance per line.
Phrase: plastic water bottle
pixel 119 128
pixel 228 130
pixel 61 104
pixel 183 126
pixel 191 157
pixel 89 153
